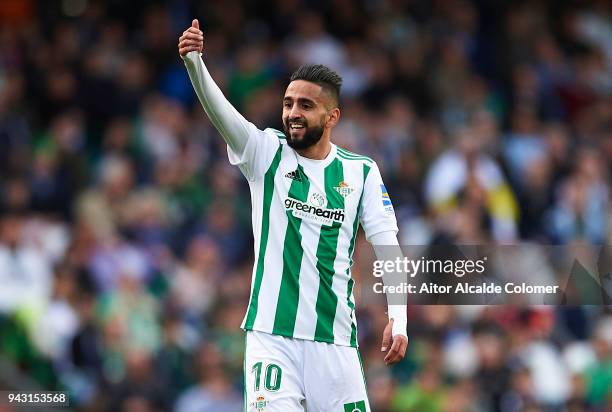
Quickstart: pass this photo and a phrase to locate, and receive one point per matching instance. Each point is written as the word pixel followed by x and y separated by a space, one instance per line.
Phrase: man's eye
pixel 287 105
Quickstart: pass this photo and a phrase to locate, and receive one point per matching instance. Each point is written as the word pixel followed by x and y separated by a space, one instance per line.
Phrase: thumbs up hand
pixel 191 40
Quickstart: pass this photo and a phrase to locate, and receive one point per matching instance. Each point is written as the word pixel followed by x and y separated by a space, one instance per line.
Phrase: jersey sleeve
pixel 377 214
pixel 258 153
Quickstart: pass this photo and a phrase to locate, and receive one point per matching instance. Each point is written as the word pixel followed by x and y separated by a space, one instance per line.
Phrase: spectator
pixel 213 391
pixel 26 276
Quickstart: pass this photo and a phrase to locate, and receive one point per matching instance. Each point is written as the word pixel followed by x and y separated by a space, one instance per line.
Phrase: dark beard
pixel 312 135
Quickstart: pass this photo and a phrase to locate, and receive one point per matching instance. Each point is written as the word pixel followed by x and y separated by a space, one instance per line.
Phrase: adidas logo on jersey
pixel 293 175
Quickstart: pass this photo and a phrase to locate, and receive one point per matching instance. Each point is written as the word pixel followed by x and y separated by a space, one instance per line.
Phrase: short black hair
pixel 325 77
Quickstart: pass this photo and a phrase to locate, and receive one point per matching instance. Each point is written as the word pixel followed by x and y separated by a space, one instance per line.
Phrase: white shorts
pixel 294 375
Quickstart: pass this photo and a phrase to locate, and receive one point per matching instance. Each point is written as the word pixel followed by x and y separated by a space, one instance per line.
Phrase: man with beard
pixel 308 197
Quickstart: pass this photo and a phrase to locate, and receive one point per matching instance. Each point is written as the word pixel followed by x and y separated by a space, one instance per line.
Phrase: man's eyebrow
pixel 300 99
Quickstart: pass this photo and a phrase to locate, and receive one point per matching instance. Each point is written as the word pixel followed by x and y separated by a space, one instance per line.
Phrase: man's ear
pixel 334 118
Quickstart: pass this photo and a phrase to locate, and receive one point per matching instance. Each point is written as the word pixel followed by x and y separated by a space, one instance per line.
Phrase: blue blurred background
pixel 125 236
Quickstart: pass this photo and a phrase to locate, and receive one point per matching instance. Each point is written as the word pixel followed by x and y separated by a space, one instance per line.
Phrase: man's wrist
pixel 190 56
pixel 400 319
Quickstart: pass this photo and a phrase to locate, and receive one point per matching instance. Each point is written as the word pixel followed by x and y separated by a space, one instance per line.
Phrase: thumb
pixel 195 24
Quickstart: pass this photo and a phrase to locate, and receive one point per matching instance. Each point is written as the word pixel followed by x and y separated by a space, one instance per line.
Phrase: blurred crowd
pixel 125 236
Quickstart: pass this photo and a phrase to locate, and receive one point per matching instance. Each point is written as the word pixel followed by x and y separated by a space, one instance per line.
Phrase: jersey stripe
pixel 286 307
pixel 352 156
pixel 273 259
pixel 345 157
pixel 351 305
pixel 306 318
pixel 326 254
pixel 351 282
pixel 265 229
pixel 244 409
pixel 350 191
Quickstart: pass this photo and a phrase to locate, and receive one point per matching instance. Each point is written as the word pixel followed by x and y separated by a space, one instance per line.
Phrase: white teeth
pixel 296 126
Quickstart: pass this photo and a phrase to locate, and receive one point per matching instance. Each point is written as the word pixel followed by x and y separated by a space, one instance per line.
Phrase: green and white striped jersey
pixel 305 218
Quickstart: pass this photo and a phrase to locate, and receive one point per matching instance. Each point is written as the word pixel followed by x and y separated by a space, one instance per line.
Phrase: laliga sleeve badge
pixel 386 200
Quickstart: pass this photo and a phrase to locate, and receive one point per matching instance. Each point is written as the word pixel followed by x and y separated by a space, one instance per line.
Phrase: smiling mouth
pixel 296 126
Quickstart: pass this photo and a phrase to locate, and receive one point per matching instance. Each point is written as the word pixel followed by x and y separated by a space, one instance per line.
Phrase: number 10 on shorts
pixel 272 379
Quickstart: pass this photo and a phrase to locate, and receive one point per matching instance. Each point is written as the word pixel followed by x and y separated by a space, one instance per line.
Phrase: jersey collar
pixel 305 161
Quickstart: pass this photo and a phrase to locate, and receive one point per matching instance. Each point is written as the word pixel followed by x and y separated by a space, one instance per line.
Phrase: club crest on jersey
pixel 344 189
pixel 386 200
pixel 260 403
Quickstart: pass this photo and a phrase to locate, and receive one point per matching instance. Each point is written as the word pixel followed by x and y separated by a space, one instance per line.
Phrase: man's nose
pixel 295 113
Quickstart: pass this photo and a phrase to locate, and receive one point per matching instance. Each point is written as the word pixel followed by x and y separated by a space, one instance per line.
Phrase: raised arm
pixel 232 126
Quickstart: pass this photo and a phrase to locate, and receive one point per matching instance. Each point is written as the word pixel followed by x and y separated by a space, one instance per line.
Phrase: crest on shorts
pixel 260 403
pixel 344 189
